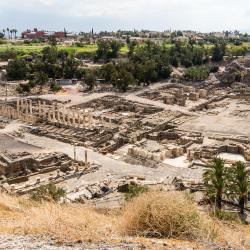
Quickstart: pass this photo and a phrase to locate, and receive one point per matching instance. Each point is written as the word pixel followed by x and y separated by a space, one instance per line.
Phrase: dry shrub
pixel 73 222
pixel 66 223
pixel 9 203
pixel 233 235
pixel 162 214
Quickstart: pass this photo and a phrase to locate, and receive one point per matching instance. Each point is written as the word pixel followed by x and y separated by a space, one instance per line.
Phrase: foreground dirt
pixel 26 242
pixel 15 242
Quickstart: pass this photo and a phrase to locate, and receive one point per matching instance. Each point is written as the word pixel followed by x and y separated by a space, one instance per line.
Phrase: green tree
pixel 198 55
pixel 41 79
pixel 215 179
pixel 52 41
pixel 239 185
pixel 131 47
pixel 218 52
pixel 107 50
pixel 123 79
pixel 115 48
pixel 103 48
pixel 147 71
pixel 107 70
pixel 90 79
pixel 16 70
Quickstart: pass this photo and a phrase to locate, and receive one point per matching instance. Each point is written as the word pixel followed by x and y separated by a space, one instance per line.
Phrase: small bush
pixel 48 192
pixel 162 214
pixel 23 88
pixel 134 190
pixel 226 215
pixel 213 68
pixel 55 87
pixel 197 73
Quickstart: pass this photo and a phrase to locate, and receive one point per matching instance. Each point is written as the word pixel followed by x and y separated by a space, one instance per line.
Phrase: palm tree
pixel 240 184
pixel 15 32
pixel 11 31
pixel 214 179
pixel 8 30
pixel 4 32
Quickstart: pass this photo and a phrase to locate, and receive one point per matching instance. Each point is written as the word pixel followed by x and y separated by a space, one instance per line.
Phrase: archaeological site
pixel 154 136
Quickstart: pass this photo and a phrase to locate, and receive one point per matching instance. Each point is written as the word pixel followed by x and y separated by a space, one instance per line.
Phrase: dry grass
pixel 154 214
pixel 72 222
pixel 161 214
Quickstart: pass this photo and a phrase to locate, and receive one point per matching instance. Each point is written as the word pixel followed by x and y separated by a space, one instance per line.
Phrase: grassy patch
pixel 48 192
pixel 37 48
pixel 134 190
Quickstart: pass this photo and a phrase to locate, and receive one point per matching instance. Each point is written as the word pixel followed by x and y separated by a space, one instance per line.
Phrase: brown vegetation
pixel 161 215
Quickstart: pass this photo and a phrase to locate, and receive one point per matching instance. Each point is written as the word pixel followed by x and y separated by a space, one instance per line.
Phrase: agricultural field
pixel 37 48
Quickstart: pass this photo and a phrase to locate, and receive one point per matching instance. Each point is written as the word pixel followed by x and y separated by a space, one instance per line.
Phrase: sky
pixel 158 15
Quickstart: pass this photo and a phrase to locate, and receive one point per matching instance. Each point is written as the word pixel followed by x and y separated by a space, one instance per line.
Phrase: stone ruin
pixel 229 144
pixel 237 70
pixel 23 172
pixel 36 111
pixel 3 123
pixel 175 93
pixel 115 122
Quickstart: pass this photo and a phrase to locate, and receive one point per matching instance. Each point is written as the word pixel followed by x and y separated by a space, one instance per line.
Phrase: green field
pixel 26 49
pixel 37 48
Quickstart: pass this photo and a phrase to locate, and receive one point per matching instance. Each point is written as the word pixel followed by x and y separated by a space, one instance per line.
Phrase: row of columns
pixel 60 115
pixel 12 113
pixel 25 111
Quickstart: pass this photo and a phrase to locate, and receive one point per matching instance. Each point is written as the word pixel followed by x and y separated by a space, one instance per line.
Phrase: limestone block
pixel 194 96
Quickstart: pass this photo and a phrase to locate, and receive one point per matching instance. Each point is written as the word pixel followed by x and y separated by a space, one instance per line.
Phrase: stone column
pixel 90 119
pixel 73 118
pixel 79 118
pixel 39 108
pixel 44 110
pixel 53 113
pixel 22 104
pixel 83 120
pixel 58 115
pixel 86 157
pixel 63 115
pixel 26 107
pixel 17 105
pixel 30 106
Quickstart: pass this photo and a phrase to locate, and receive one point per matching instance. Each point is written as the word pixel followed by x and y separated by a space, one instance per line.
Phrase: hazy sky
pixel 76 15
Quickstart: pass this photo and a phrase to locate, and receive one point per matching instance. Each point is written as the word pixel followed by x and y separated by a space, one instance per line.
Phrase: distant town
pixel 140 36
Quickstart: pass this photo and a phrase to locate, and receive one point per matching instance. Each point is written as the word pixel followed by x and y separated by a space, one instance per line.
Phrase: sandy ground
pixel 232 157
pixel 14 146
pixel 231 119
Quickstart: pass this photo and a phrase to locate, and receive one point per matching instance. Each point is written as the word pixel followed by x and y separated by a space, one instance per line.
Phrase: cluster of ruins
pixel 178 94
pixel 23 172
pixel 178 125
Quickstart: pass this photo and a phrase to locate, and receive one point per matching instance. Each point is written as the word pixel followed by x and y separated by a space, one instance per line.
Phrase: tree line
pixel 144 64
